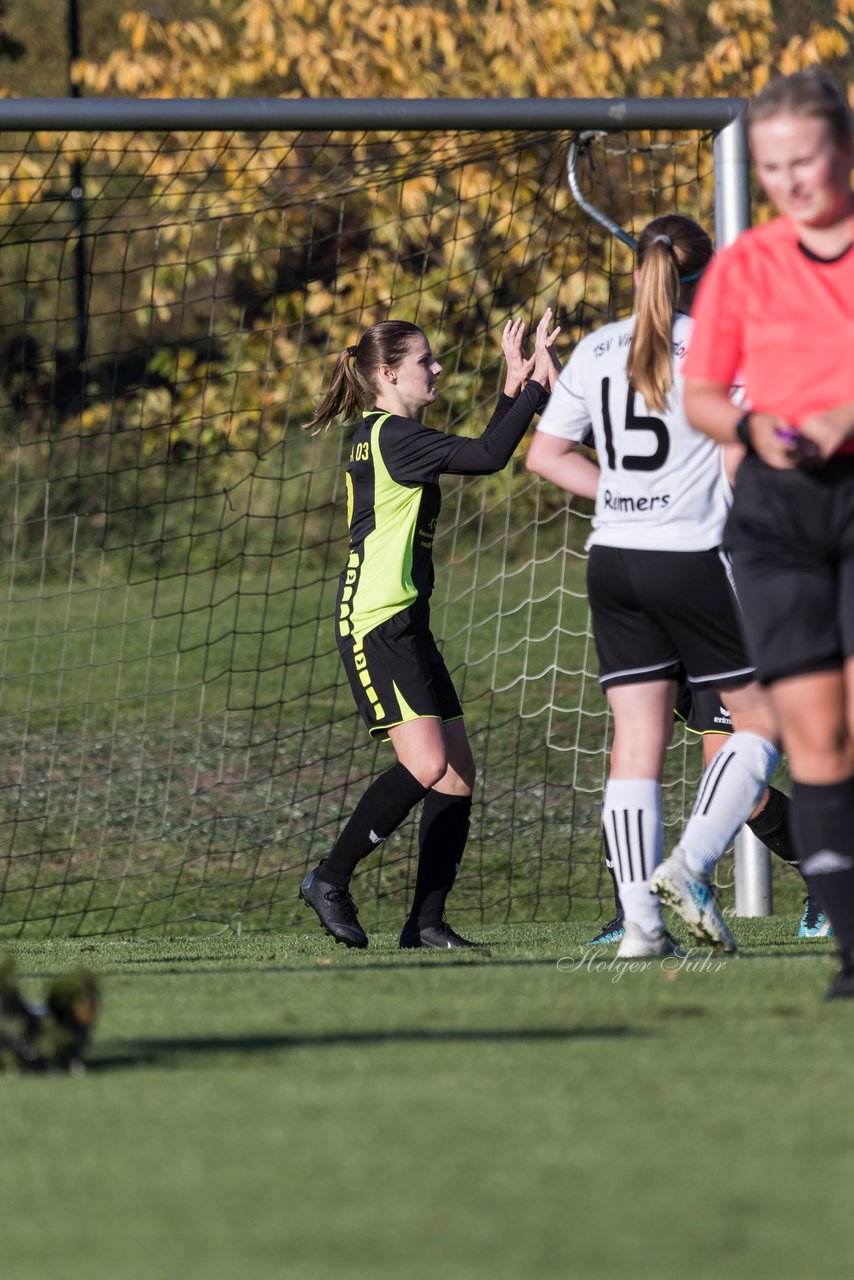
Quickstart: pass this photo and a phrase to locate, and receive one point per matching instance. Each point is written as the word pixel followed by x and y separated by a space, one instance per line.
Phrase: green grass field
pixel 259 1103
pixel 276 1106
pixel 177 750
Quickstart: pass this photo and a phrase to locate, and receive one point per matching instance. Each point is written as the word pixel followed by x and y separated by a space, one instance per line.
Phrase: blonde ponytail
pixel 345 396
pixel 672 253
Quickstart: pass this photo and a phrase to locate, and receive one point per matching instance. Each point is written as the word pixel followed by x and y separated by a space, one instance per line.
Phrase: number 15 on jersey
pixel 633 422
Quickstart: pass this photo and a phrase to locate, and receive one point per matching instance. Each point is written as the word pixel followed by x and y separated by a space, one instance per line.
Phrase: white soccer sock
pixel 729 792
pixel 631 817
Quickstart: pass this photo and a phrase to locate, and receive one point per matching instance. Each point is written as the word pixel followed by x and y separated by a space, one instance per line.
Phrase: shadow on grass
pixel 434 960
pixel 787 951
pixel 334 966
pixel 174 1051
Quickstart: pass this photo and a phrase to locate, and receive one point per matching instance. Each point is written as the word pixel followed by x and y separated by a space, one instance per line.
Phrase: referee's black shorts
pixel 665 615
pixel 397 673
pixel 791 538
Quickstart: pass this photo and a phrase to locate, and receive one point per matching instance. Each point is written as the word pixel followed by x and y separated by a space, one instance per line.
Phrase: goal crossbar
pixel 399 114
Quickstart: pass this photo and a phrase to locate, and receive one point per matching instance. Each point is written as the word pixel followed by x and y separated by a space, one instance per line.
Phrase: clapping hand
pixel 519 366
pixel 543 365
pixel 546 364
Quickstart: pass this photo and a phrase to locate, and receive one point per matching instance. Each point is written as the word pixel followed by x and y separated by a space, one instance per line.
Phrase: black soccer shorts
pixel 701 711
pixel 397 673
pixel 791 538
pixel 662 615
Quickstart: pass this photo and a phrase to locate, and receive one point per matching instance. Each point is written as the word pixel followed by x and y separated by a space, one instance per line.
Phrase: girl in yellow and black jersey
pixel 397 674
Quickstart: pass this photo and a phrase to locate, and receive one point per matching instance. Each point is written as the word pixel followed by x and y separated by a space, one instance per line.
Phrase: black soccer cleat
pixel 335 909
pixel 440 935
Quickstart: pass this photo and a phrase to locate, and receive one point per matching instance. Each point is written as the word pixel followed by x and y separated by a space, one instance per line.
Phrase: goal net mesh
pixel 178 741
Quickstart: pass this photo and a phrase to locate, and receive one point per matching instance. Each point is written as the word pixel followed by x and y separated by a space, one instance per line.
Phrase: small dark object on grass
pixel 50 1036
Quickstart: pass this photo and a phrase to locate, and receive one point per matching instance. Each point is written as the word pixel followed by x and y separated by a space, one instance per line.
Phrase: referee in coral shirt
pixel 777 307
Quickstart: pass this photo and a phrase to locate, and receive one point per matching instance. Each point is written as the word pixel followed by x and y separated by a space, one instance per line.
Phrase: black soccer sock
pixel 441 841
pixel 822 822
pixel 771 826
pixel 382 808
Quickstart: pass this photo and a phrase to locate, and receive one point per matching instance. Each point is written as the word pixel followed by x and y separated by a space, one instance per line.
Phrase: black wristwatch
pixel 742 431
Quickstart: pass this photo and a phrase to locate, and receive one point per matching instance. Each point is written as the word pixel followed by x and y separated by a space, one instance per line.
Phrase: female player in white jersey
pixel 661 600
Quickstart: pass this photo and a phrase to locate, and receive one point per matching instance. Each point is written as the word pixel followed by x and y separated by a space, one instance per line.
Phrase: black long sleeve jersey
pixel 393 503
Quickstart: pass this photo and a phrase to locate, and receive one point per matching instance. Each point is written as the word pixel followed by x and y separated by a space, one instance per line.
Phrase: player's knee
pixel 822 743
pixel 816 759
pixel 752 711
pixel 764 726
pixel 640 758
pixel 430 768
pixel 459 778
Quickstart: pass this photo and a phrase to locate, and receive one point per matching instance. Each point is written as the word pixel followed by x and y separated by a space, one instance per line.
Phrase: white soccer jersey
pixel 661 485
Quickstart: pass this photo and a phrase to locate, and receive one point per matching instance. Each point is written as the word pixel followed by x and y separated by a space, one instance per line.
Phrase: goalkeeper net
pixel 178 742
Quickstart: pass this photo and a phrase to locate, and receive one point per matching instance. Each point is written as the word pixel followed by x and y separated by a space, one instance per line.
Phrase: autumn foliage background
pixel 230 287
pixel 479 48
pixel 176 733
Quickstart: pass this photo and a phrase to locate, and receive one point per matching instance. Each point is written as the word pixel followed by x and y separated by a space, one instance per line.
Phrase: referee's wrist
pixel 742 431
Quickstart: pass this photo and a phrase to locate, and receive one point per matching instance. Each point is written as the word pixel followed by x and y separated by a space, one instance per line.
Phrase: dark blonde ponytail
pixel 672 254
pixel 353 385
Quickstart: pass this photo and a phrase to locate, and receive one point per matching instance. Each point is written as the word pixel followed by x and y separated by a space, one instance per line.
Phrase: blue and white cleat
pixel 639 945
pixel 814 923
pixel 691 898
pixel 611 932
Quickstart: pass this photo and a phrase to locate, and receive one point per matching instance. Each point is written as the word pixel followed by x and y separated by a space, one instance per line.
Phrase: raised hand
pixel 519 366
pixel 546 364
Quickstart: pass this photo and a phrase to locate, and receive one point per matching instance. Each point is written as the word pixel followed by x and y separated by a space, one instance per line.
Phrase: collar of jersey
pixel 382 415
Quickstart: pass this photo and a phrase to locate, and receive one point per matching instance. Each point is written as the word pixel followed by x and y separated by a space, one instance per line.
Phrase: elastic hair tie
pixel 695 275
pixel 662 240
pixel 351 351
